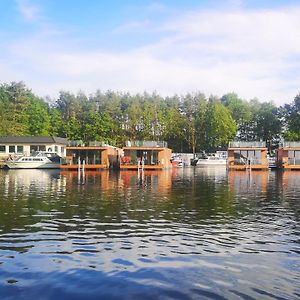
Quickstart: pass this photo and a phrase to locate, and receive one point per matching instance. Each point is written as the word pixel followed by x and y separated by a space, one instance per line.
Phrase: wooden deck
pixel 291 167
pixel 146 167
pixel 247 167
pixel 86 167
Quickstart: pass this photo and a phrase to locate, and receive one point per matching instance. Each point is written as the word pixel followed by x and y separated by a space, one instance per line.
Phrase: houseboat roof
pixel 33 140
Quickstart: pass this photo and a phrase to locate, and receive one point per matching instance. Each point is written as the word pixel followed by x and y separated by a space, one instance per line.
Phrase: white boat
pixel 176 161
pixel 211 160
pixel 219 158
pixel 38 160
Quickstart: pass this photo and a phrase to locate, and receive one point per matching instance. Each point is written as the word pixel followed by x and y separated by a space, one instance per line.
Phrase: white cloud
pixel 249 52
pixel 28 11
pixel 132 26
pixel 156 7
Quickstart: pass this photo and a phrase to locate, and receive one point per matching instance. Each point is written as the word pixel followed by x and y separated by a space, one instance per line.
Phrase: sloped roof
pixel 33 140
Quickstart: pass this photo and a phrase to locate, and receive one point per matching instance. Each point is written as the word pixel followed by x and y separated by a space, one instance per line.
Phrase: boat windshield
pixel 45 154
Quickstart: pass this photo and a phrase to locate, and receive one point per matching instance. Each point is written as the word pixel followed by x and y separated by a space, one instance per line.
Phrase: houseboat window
pixel 34 148
pixel 244 153
pixel 19 149
pixel 62 150
pixel 11 149
pixel 2 148
pixel 236 154
pixel 291 154
pixel 258 154
pixel 251 154
pixel 56 148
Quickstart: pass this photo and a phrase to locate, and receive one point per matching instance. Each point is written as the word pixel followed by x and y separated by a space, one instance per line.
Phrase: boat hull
pixel 207 162
pixel 32 165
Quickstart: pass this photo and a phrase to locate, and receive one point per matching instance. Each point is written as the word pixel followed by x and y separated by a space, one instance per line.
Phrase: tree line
pixel 189 123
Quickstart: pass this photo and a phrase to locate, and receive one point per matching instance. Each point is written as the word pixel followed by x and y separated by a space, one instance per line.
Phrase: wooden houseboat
pixel 247 155
pixel 95 156
pixel 288 156
pixel 148 155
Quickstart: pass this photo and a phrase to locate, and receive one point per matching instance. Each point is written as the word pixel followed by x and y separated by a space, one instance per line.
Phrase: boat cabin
pixel 27 145
pixel 94 156
pixel 247 155
pixel 288 156
pixel 146 155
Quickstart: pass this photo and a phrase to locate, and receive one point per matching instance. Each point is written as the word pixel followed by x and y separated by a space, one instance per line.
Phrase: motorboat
pixel 177 161
pixel 211 160
pixel 38 160
pixel 218 158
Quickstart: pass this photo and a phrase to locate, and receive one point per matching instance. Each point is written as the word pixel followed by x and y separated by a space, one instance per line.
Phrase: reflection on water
pixel 188 233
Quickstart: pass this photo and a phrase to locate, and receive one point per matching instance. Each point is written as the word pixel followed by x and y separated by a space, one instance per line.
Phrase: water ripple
pixel 190 236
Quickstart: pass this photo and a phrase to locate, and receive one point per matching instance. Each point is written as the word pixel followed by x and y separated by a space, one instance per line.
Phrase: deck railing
pixel 76 143
pixel 133 162
pixel 241 144
pixel 152 144
pixel 245 162
pixel 294 161
pixel 80 143
pixel 291 144
pixel 96 144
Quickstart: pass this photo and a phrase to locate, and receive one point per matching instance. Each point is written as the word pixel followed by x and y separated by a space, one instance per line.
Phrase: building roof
pixel 33 140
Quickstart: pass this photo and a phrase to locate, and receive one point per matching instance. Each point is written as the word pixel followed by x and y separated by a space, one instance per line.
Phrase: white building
pixel 26 145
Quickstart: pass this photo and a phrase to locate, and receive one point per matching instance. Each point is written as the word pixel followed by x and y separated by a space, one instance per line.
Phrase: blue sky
pixel 248 47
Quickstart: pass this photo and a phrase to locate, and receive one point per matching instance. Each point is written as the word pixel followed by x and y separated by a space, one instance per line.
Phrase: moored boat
pixel 215 159
pixel 38 160
pixel 211 160
pixel 177 161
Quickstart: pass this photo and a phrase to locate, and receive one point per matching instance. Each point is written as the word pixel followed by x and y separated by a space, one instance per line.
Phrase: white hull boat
pixel 211 161
pixel 217 159
pixel 40 160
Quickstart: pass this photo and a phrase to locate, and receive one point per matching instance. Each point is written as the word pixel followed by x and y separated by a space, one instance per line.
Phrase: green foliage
pixel 38 119
pixel 189 123
pixel 220 126
pixel 291 115
pixel 15 99
pixel 268 125
pixel 241 112
pixel 56 127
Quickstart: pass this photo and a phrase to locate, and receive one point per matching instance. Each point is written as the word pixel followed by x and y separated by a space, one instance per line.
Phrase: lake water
pixel 192 233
